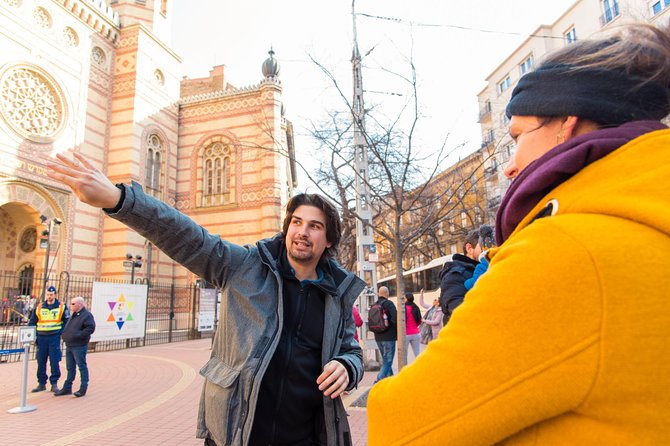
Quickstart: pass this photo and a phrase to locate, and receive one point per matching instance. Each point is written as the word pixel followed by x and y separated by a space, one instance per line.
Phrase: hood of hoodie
pixel 458 259
pixel 632 182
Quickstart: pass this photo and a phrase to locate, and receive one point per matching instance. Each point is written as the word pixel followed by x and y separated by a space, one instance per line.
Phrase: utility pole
pixel 45 242
pixel 364 234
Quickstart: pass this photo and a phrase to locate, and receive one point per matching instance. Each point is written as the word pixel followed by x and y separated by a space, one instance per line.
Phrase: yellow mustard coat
pixel 566 338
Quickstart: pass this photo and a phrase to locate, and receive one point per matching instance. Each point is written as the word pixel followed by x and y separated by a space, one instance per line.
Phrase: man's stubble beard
pixel 307 258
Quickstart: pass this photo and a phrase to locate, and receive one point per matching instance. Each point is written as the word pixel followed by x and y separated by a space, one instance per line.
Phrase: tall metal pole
pixel 46 260
pixel 364 234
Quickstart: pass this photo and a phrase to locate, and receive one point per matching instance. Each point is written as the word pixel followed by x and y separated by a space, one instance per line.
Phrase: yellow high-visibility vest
pixel 49 320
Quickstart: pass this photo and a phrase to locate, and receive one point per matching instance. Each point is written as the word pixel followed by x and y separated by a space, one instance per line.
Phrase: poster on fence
pixel 119 309
pixel 206 313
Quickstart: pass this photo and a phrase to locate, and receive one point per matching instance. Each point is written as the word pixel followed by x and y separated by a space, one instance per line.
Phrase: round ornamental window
pixel 159 78
pixel 42 17
pixel 70 37
pixel 31 103
pixel 98 56
pixel 28 240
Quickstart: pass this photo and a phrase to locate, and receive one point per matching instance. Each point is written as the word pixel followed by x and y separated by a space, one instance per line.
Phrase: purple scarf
pixel 558 165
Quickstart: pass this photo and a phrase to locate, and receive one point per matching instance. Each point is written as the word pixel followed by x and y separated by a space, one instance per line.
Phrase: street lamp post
pixel 45 243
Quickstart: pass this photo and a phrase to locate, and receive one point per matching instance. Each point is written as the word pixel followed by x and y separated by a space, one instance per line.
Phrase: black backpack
pixel 378 321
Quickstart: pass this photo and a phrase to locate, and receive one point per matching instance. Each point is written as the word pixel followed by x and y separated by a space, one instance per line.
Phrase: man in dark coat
pixel 454 274
pixel 76 334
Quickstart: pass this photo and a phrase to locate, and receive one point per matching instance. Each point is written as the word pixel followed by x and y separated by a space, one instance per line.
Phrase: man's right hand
pixel 87 182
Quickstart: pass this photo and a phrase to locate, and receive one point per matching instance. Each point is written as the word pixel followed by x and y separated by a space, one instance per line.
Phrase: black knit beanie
pixel 603 96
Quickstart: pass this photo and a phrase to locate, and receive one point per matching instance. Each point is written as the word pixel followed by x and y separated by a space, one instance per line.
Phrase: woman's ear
pixel 575 126
pixel 569 127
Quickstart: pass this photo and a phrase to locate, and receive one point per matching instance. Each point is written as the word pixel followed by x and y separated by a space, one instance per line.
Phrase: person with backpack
pixel 385 332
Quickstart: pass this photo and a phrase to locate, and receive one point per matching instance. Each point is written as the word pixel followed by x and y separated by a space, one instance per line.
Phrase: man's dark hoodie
pixel 290 404
pixel 452 283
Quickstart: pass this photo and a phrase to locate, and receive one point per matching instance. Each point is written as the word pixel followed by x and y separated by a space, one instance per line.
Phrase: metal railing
pixel 171 313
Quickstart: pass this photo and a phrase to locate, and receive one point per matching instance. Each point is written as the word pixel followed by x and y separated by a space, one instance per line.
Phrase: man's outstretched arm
pixel 172 232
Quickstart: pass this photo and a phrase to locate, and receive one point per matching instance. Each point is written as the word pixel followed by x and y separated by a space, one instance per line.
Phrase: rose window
pixel 31 103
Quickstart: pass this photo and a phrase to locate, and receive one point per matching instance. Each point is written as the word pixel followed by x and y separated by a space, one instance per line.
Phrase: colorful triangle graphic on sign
pixel 130 306
pixel 111 317
pixel 130 317
pixel 111 305
pixel 120 324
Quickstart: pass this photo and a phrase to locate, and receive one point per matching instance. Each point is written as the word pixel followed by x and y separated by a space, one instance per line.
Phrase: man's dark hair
pixel 333 222
pixel 472 238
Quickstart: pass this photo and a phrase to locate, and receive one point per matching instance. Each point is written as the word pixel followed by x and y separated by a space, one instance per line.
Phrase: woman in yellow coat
pixel 566 338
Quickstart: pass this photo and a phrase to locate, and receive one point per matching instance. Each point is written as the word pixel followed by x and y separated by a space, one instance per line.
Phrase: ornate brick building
pixel 99 77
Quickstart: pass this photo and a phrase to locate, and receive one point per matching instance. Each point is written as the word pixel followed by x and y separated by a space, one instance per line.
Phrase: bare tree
pixel 407 197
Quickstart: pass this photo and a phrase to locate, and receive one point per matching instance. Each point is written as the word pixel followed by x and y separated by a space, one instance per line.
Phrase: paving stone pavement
pixel 140 396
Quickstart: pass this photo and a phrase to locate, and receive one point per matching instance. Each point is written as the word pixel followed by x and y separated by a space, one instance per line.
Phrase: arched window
pixel 26 276
pixel 216 175
pixel 152 182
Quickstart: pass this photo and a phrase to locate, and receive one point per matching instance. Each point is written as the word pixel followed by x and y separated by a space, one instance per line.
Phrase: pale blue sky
pixel 452 63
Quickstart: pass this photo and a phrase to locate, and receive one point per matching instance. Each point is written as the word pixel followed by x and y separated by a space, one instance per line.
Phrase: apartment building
pixel 452 204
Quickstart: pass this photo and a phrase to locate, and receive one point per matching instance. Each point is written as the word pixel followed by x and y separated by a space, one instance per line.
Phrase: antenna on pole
pixel 365 243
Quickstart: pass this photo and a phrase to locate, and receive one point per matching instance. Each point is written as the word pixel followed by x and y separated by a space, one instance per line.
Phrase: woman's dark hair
pixel 333 222
pixel 416 312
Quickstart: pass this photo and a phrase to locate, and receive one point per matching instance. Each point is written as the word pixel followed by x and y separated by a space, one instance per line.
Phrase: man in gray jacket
pixel 284 351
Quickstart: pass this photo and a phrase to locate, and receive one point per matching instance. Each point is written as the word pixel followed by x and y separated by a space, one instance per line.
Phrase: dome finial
pixel 270 67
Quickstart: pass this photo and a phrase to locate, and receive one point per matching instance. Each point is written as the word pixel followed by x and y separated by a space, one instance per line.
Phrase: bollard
pixel 26 334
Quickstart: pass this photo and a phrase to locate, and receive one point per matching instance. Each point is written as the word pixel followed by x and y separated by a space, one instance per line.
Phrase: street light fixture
pixel 132 262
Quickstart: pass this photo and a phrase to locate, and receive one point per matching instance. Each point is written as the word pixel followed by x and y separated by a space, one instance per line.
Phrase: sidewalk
pixel 141 396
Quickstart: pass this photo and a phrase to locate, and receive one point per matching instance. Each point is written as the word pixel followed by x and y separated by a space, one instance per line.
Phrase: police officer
pixel 50 317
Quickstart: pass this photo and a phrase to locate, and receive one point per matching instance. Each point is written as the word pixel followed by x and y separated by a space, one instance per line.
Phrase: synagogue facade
pixel 99 77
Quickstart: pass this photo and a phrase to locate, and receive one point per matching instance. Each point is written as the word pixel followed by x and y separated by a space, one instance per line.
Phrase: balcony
pixel 485 112
pixel 487 141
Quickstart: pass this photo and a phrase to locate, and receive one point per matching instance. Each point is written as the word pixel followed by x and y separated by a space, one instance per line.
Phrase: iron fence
pixel 171 313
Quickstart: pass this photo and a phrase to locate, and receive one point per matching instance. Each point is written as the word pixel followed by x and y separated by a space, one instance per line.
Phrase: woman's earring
pixel 560 138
